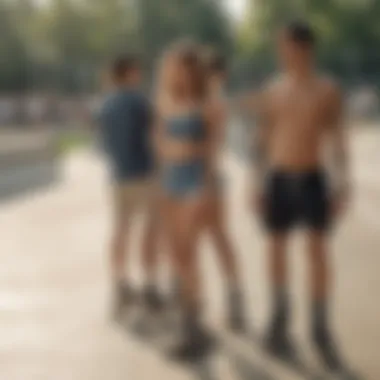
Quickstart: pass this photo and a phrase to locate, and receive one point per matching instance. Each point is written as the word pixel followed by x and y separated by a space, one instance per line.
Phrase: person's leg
pixel 122 291
pixel 319 288
pixel 319 279
pixel 187 234
pixel 149 254
pixel 150 261
pixel 280 216
pixel 217 230
pixel 196 341
pixel 170 237
pixel 318 274
pixel 278 275
pixel 150 245
pixel 317 217
pixel 150 250
pixel 118 250
pixel 181 224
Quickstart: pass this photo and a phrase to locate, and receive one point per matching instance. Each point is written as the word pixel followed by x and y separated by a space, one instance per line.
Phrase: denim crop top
pixel 189 127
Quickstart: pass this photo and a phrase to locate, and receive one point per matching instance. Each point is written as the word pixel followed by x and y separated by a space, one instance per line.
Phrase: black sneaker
pixel 327 349
pixel 236 320
pixel 278 342
pixel 153 300
pixel 280 346
pixel 193 348
pixel 174 299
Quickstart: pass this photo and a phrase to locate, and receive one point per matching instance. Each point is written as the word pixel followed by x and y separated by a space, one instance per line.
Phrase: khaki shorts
pixel 133 197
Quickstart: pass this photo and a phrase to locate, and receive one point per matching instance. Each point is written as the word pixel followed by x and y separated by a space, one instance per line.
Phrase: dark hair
pixel 301 33
pixel 123 64
pixel 215 62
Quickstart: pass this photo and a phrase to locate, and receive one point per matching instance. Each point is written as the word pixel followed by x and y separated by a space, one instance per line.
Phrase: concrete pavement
pixel 53 284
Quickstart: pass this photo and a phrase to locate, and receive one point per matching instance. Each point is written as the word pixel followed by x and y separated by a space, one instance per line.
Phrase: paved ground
pixel 53 284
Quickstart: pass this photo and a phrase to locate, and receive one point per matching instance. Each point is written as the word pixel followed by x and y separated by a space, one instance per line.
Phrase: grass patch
pixel 68 141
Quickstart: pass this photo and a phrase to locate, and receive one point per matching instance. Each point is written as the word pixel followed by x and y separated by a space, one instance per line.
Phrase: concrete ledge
pixel 28 161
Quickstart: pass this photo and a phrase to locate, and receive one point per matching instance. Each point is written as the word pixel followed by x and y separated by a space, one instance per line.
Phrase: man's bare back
pixel 297 119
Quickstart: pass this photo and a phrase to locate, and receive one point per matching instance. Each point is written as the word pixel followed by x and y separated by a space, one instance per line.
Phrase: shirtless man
pixel 300 115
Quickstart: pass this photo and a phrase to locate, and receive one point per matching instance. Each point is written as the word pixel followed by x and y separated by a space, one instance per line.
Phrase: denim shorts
pixel 183 179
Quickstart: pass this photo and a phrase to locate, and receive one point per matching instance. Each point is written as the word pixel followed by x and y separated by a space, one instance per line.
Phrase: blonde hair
pixel 188 55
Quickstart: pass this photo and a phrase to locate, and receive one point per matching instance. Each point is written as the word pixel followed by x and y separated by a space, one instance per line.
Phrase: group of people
pixel 164 155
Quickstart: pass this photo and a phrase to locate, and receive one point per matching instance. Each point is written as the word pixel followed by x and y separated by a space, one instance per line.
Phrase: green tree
pixel 61 44
pixel 163 22
pixel 13 69
pixel 348 34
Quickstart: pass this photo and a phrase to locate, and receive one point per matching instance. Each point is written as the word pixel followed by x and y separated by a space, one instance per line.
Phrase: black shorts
pixel 293 199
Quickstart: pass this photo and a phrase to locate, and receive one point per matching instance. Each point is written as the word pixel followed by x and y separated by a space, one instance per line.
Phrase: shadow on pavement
pixel 204 371
pixel 244 368
pixel 157 333
pixel 247 370
pixel 152 331
pixel 297 363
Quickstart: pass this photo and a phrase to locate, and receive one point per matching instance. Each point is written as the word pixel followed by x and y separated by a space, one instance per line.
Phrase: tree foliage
pixel 61 44
pixel 347 30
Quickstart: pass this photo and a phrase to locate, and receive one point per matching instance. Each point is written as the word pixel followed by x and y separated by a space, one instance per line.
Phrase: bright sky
pixel 236 7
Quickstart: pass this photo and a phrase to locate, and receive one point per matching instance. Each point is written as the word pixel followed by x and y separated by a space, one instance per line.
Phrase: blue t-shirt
pixel 125 120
